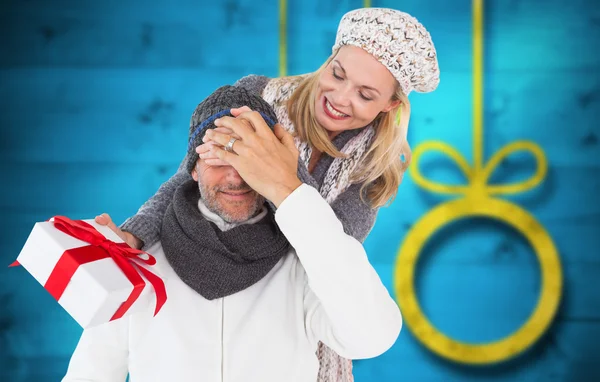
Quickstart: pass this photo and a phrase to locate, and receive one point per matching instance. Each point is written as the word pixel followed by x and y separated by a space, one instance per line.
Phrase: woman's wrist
pixel 281 193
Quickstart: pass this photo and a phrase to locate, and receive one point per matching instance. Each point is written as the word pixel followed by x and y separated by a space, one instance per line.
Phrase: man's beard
pixel 245 210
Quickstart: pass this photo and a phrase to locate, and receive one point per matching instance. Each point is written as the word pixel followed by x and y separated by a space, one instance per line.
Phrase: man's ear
pixel 195 172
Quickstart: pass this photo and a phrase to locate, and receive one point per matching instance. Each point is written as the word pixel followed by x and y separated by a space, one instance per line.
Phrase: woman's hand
pixel 206 150
pixel 267 160
pixel 127 237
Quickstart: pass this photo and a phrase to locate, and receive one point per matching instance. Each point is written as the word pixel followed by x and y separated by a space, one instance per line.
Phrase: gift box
pixel 90 271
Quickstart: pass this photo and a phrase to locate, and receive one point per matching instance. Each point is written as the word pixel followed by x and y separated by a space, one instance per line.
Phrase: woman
pixel 350 120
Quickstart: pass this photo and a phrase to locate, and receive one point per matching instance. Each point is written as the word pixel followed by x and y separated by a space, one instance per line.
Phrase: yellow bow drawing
pixel 478 200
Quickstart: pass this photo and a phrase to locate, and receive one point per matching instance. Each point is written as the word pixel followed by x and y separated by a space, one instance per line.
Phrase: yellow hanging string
pixel 282 38
pixel 478 84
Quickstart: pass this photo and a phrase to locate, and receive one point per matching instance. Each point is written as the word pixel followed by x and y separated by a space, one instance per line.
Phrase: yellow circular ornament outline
pixel 528 333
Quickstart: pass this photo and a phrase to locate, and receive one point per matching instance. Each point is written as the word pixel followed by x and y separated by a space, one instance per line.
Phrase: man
pixel 250 292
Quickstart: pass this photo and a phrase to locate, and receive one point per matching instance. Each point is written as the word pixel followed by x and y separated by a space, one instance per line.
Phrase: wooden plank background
pixel 94 112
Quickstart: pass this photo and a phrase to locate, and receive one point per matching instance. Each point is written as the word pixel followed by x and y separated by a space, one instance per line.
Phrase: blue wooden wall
pixel 95 99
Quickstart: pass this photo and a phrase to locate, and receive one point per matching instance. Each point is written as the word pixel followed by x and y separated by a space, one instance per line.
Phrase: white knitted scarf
pixel 337 179
pixel 278 91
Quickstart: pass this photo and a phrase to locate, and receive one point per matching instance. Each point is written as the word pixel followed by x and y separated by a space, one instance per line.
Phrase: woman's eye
pixel 336 76
pixel 365 98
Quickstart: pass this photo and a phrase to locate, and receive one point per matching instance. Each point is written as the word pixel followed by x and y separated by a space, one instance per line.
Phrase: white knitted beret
pixel 398 41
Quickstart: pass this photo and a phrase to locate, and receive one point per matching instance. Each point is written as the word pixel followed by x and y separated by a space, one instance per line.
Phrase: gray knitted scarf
pixel 217 263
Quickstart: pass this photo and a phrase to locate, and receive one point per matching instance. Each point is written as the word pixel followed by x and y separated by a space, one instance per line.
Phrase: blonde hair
pixel 382 168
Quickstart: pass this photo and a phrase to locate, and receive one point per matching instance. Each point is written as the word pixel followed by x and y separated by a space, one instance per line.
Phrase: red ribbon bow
pixel 101 248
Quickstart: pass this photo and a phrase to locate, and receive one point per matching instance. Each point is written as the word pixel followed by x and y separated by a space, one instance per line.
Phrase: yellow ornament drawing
pixel 478 199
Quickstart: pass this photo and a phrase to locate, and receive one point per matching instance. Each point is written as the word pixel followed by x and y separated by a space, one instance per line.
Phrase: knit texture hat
pixel 218 105
pixel 398 41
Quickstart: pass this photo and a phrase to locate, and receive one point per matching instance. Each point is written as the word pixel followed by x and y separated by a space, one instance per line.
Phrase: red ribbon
pixel 101 248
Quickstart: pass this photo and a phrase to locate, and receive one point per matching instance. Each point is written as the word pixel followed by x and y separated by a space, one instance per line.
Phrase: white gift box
pixel 97 289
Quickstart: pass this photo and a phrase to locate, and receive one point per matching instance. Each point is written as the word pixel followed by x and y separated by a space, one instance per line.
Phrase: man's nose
pixel 233 175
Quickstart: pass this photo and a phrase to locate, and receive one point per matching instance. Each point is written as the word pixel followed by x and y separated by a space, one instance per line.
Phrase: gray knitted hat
pixel 217 105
